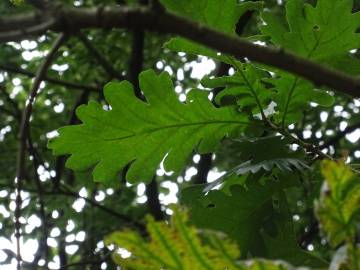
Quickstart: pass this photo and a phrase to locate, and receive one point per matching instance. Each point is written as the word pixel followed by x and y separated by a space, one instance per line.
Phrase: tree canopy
pixel 187 134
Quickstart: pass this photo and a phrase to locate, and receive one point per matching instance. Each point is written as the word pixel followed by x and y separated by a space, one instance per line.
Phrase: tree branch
pixel 99 57
pixel 77 86
pixel 205 162
pixel 39 4
pixel 72 19
pixel 135 67
pixel 95 204
pixel 340 135
pixel 43 247
pixel 20 171
pixel 143 18
pixel 153 203
pixel 22 33
pixel 17 112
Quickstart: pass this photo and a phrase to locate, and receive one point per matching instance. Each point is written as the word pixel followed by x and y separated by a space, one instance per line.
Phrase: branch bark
pixel 20 171
pixel 75 19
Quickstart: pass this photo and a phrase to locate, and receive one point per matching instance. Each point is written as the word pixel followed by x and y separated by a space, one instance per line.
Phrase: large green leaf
pixel 294 95
pixel 260 155
pixel 323 33
pixel 144 132
pixel 244 210
pixel 284 244
pixel 219 15
pixel 249 216
pixel 319 34
pixel 338 207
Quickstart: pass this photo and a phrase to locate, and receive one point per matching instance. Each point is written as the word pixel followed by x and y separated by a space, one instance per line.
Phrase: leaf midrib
pixel 161 128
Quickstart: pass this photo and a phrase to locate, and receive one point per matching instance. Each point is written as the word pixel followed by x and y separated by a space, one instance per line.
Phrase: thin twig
pixel 39 4
pixel 20 173
pixel 99 57
pixel 84 263
pixel 16 35
pixel 307 146
pixel 40 196
pixel 110 211
pixel 17 112
pixel 29 74
pixel 340 135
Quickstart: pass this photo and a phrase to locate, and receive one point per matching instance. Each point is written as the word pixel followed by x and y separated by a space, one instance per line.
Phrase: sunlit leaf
pixel 144 133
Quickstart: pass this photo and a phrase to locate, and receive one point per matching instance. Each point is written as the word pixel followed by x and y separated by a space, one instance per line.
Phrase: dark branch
pixel 20 169
pixel 39 4
pixel 99 57
pixel 18 70
pixel 72 19
pixel 143 18
pixel 104 208
pixel 22 33
pixel 334 140
pixel 153 203
pixel 43 246
pixel 203 168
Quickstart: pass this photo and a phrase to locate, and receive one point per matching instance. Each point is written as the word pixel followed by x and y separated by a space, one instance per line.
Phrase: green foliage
pixel 179 245
pixel 317 32
pixel 220 15
pixel 338 211
pixel 256 210
pixel 245 86
pixel 17 2
pixel 277 154
pixel 217 211
pixel 144 132
pixel 338 207
pixel 174 246
pixel 258 214
pixel 250 160
pixel 295 94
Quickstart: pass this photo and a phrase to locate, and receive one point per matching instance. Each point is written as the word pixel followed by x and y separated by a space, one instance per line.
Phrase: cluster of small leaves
pixel 17 2
pixel 338 209
pixel 179 245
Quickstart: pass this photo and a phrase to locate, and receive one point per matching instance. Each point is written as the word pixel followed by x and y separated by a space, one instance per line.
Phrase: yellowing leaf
pixel 179 246
pixel 175 246
pixel 339 204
